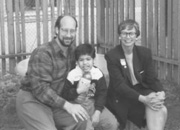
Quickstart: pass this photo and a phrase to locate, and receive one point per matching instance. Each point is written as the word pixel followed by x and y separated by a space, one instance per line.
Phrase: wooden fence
pixel 97 23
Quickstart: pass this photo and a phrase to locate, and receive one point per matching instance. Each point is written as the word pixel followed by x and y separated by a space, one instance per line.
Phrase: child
pixel 86 85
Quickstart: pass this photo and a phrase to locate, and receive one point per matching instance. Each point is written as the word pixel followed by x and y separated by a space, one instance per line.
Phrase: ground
pixel 9 86
pixel 173 105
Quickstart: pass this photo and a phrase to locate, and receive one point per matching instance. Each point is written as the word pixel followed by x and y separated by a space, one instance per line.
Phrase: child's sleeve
pixel 69 91
pixel 101 93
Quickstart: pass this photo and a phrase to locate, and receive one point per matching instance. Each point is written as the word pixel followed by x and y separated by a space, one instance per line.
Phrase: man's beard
pixel 63 43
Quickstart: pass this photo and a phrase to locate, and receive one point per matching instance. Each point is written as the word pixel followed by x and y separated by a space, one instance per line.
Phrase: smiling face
pixel 128 37
pixel 67 31
pixel 85 62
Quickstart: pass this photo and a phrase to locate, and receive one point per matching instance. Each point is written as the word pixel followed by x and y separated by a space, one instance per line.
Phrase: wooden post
pixel 169 38
pixel 175 37
pixel 178 41
pixel 116 37
pixel 92 22
pixel 143 23
pixel 11 43
pixel 45 21
pixel 111 22
pixel 121 10
pixel 107 17
pixel 18 33
pixel 38 27
pixel 132 9
pixel 86 21
pixel 2 30
pixel 100 24
pixel 52 3
pixel 23 30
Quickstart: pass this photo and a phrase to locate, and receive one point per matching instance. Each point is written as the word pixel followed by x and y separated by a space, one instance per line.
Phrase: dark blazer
pixel 120 86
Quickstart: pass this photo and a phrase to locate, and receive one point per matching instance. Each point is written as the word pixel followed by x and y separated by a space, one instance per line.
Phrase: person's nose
pixel 85 62
pixel 128 35
pixel 68 33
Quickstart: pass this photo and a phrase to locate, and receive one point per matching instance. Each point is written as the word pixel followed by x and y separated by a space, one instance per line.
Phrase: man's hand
pixel 76 110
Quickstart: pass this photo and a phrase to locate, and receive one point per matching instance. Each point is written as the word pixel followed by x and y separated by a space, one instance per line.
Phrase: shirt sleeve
pixel 69 91
pixel 40 71
pixel 101 93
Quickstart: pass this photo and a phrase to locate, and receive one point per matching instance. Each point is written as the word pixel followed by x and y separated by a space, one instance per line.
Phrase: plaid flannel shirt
pixel 47 71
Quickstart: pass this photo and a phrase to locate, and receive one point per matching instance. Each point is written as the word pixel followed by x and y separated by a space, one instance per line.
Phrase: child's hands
pixel 95 118
pixel 83 85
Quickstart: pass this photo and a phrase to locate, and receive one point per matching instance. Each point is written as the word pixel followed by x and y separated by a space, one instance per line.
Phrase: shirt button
pixel 117 101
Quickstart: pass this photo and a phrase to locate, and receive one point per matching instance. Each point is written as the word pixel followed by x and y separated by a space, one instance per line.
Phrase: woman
pixel 134 91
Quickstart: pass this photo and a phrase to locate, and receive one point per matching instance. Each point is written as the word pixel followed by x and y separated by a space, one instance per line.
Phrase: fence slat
pixel 155 35
pixel 38 27
pixel 107 22
pixel 155 31
pixel 169 38
pixel 126 5
pixel 59 7
pixel 80 22
pixel 86 21
pixel 178 42
pixel 111 22
pixel 72 7
pixel 52 16
pixel 11 43
pixel 45 20
pixel 100 23
pixel 132 9
pixel 143 23
pixel 92 22
pixel 18 33
pixel 175 38
pixel 162 38
pixel 116 23
pixel 2 30
pixel 23 30
pixel 150 23
pixel 121 10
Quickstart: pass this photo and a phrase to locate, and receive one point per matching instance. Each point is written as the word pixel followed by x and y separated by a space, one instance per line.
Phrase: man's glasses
pixel 65 31
pixel 125 34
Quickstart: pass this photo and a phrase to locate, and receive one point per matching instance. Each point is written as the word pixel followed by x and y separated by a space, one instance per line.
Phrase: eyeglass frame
pixel 65 31
pixel 130 34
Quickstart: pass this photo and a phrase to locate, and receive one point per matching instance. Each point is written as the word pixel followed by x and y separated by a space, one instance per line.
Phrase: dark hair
pixel 84 49
pixel 130 23
pixel 58 21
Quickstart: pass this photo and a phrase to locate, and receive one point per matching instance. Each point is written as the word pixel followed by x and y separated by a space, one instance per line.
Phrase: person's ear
pixel 56 31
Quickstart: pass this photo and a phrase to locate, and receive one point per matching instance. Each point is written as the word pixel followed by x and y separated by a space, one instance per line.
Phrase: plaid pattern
pixel 47 71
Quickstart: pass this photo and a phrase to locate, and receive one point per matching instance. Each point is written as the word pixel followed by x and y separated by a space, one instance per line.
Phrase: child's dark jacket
pixel 69 91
